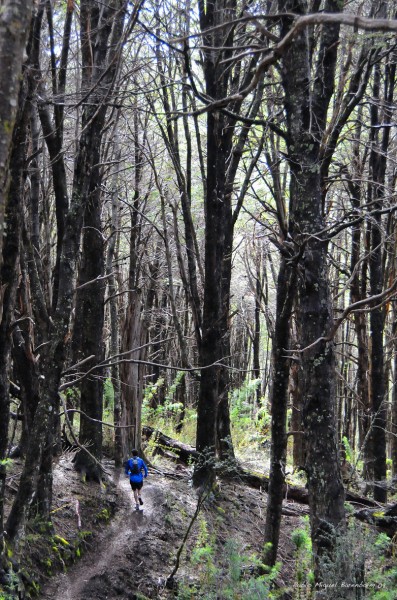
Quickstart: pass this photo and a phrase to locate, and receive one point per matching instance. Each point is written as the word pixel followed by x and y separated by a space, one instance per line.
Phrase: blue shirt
pixel 136 477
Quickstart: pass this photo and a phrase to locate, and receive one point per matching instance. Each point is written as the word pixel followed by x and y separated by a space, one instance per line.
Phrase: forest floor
pixel 118 553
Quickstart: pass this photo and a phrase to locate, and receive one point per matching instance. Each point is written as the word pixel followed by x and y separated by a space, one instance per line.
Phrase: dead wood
pixel 188 454
pixel 183 452
pixel 384 519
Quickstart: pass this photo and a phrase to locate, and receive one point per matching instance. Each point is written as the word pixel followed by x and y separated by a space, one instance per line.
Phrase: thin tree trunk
pixel 394 399
pixel 256 338
pixel 286 283
pixel 114 346
pixel 376 193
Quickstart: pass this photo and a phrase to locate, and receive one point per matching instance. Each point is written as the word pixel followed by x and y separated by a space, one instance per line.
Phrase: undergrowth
pixel 363 565
pixel 250 423
pixel 227 573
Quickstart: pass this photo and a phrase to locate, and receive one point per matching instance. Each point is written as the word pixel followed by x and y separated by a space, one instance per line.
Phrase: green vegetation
pixel 250 424
pixel 304 578
pixel 41 554
pixel 108 396
pixel 168 415
pixel 235 576
pixel 104 515
pixel 362 561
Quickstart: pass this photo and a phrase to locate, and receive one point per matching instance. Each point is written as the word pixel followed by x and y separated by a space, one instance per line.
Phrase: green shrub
pixel 234 576
pixel 304 578
pixel 360 561
pixel 166 416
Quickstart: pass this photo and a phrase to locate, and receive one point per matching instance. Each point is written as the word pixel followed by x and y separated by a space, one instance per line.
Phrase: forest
pixel 198 260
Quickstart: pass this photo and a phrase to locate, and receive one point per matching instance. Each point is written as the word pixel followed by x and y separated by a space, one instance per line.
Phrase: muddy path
pixel 114 565
pixel 132 556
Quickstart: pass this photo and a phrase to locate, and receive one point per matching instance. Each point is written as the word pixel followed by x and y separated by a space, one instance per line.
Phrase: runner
pixel 137 470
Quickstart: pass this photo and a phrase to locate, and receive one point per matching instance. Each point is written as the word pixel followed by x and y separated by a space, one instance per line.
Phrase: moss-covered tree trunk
pixel 306 102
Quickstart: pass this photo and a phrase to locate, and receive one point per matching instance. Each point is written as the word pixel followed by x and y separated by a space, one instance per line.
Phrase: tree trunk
pixel 394 399
pixel 256 338
pixel 131 376
pixel 279 401
pixel 376 194
pixel 99 51
pixel 54 353
pixel 212 379
pixel 14 28
pixel 25 363
pixel 213 428
pixel 9 251
pixel 306 112
pixel 114 346
pixel 90 307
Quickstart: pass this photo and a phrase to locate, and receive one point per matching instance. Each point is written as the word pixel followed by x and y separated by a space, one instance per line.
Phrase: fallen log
pixel 188 454
pixel 383 519
pixel 291 491
pixel 184 452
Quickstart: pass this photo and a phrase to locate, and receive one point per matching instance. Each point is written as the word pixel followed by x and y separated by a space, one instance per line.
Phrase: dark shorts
pixel 136 485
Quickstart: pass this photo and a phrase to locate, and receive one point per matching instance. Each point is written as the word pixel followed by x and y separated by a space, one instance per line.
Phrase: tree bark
pixel 394 399
pixel 213 428
pixel 306 112
pixel 14 28
pixel 376 193
pixel 286 283
pixel 102 48
pixel 114 346
pixel 10 251
pixel 90 306
pixel 184 452
pixel 131 375
pixel 37 462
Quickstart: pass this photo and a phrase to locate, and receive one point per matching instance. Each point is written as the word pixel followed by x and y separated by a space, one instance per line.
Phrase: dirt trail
pixel 131 557
pixel 114 566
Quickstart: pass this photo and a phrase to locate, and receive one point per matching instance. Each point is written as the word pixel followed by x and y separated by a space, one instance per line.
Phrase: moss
pixel 8 127
pixel 43 552
pixel 35 589
pixel 43 555
pixel 103 515
pixel 61 540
